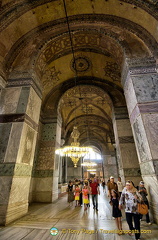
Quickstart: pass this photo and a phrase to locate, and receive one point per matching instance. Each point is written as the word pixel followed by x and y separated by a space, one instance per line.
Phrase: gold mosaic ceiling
pixel 34 38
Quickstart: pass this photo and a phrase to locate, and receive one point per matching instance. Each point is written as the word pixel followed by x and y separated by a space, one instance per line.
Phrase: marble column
pixel 128 163
pixel 46 169
pixel 19 116
pixel 140 81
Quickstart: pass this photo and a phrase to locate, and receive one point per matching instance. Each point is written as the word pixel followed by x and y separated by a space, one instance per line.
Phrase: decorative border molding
pixel 6 118
pixel 142 108
pixel 126 139
pixel 18 79
pixel 42 173
pixel 14 169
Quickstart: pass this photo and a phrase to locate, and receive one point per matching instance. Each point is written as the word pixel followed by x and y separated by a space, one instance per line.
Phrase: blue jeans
pixel 95 200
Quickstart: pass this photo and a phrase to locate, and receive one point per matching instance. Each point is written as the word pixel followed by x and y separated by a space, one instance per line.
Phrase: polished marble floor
pixel 72 223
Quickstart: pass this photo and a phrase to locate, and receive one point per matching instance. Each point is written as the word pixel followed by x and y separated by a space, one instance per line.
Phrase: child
pixel 116 212
pixel 85 193
pixel 77 195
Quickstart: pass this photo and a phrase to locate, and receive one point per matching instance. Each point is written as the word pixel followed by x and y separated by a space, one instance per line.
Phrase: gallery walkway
pixel 41 218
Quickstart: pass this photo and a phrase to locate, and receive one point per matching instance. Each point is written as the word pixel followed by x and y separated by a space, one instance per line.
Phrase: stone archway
pixel 112 41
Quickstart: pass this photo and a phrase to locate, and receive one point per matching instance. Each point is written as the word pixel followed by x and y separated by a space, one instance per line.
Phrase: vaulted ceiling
pixel 75 50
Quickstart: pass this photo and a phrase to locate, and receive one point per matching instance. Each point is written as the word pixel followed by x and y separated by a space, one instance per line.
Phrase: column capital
pixel 138 66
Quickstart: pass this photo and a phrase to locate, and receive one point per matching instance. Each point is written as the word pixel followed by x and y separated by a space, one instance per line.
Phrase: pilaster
pixel 141 93
pixel 19 116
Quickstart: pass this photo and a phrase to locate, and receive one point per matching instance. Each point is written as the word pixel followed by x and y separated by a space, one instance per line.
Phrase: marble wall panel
pixel 43 184
pixel 13 143
pixel 58 134
pixel 151 185
pixel 9 100
pixel 151 128
pixel 132 172
pixel 155 162
pixel 129 155
pixel 27 145
pixel 147 168
pixel 19 190
pixel 111 170
pixel 141 141
pixel 23 100
pixel 5 186
pixel 146 87
pixel 130 96
pixel 34 106
pixel 55 189
pixel 124 127
pixel 2 82
pixel 5 129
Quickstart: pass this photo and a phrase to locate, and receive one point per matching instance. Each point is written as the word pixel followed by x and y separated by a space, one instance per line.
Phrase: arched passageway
pixel 94 67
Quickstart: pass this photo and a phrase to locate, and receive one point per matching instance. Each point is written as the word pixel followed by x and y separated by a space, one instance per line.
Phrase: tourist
pixel 120 186
pixel 103 185
pixel 111 185
pixel 77 194
pixel 85 193
pixel 130 197
pixel 70 193
pixel 94 189
pixel 143 192
pixel 116 212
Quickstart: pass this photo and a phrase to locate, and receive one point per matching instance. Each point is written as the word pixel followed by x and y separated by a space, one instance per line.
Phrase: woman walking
pixel 70 192
pixel 131 197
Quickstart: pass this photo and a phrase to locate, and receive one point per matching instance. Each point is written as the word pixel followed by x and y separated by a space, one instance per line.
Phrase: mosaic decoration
pixel 51 77
pixel 20 7
pixel 80 64
pixel 112 70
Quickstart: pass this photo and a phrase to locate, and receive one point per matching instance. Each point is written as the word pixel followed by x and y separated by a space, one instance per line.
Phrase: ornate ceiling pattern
pixel 90 108
pixel 84 84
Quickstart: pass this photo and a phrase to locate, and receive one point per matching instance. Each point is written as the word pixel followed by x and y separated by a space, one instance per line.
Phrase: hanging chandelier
pixel 74 151
pixel 88 164
pixel 91 170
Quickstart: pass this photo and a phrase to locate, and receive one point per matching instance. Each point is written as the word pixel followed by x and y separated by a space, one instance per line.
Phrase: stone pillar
pixel 125 147
pixel 140 81
pixel 110 167
pixel 46 170
pixel 19 116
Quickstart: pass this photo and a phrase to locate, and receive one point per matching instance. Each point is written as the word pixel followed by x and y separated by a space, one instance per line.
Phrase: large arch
pixel 114 44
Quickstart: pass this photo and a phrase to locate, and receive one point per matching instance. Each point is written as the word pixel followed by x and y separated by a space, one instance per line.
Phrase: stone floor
pixel 89 225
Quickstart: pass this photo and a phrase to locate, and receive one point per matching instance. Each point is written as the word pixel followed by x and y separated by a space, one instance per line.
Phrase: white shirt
pixel 120 186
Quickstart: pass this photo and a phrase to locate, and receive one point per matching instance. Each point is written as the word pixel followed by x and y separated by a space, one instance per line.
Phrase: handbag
pixel 142 208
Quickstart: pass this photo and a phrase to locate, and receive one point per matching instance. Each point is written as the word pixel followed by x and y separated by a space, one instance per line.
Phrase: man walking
pixel 111 185
pixel 94 189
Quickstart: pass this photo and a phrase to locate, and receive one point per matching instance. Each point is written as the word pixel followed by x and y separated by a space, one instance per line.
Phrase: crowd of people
pixel 119 195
